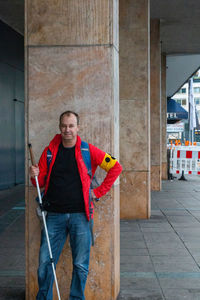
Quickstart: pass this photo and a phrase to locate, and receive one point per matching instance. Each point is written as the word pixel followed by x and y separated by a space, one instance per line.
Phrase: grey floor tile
pixel 132 284
pixel 174 264
pixel 168 237
pixel 131 236
pixel 137 267
pixel 176 212
pixel 15 281
pixel 181 294
pixel 183 283
pixel 165 245
pixel 169 251
pixel 140 295
pixel 135 259
pixel 133 251
pixel 12 293
pixel 163 229
pixel 133 245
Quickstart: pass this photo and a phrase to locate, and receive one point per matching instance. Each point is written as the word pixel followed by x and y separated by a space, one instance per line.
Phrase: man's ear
pixel 78 127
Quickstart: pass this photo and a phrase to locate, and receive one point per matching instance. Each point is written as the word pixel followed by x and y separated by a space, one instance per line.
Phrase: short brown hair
pixel 68 113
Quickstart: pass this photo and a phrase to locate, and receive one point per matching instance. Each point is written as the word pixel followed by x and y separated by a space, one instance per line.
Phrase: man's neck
pixel 68 144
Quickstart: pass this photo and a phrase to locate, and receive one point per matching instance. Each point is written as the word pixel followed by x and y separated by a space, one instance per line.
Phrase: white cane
pixel 45 225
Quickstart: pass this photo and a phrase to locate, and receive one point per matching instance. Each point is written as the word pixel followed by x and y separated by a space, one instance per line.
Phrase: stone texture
pixel 69 22
pixel 134 137
pixel 134 66
pixel 164 171
pixel 155 97
pixel 156 183
pixel 134 195
pixel 133 49
pixel 70 78
pixel 164 116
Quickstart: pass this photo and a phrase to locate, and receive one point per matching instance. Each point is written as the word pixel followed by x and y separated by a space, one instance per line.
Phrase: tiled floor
pixel 12 244
pixel 160 257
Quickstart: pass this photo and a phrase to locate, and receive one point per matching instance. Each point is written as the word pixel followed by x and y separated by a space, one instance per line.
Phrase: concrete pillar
pixel 164 116
pixel 134 108
pixel 155 96
pixel 72 63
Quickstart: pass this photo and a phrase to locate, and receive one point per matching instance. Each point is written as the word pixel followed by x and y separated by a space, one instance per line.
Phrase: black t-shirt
pixel 64 192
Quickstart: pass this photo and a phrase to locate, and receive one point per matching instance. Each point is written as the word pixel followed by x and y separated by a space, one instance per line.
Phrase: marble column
pixel 164 116
pixel 134 108
pixel 72 64
pixel 155 96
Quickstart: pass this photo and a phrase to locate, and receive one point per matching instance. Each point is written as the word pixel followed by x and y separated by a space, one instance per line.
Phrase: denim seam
pixel 54 260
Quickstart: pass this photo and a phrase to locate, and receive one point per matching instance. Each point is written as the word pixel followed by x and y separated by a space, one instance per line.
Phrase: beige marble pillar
pixel 164 116
pixel 134 108
pixel 155 96
pixel 72 64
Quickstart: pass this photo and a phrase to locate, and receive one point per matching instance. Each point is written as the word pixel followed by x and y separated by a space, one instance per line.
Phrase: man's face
pixel 69 128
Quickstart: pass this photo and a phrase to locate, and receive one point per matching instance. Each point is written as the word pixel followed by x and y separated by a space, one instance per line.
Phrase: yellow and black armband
pixel 108 162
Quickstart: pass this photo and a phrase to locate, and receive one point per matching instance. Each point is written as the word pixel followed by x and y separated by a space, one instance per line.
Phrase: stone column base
pixel 164 171
pixel 156 184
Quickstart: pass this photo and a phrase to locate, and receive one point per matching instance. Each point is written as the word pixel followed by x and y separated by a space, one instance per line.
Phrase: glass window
pixel 196 90
pixel 184 102
pixel 182 91
pixel 181 101
pixel 197 101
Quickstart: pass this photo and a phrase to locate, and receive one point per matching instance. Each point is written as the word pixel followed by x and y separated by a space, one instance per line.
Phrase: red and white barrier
pixel 185 158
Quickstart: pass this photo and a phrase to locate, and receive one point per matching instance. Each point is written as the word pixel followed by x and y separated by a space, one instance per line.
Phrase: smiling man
pixel 68 200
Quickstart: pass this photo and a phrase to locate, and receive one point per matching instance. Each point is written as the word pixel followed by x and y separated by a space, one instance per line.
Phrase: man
pixel 66 200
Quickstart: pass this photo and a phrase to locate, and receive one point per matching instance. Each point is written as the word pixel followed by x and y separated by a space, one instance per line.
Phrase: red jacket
pixel 98 158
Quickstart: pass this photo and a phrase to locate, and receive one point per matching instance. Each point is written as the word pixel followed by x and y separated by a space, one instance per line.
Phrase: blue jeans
pixel 59 225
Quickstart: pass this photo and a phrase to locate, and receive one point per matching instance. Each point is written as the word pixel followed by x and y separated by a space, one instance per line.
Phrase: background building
pixel 182 97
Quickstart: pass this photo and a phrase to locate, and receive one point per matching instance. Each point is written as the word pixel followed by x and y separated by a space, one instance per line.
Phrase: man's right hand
pixel 34 170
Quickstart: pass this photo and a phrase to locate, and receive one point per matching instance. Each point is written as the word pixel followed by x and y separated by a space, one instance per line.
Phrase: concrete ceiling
pixel 180 22
pixel 179 25
pixel 12 13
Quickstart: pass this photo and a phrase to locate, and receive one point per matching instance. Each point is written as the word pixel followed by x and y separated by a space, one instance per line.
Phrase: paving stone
pixel 175 212
pixel 169 251
pixel 141 295
pixel 132 236
pixel 162 228
pixel 133 245
pixel 133 251
pixel 168 237
pixel 137 264
pixel 181 294
pixel 174 264
pixel 12 293
pixel 183 283
pixel 131 284
pixel 165 245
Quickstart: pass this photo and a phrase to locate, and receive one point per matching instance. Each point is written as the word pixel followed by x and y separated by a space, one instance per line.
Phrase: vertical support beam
pixel 155 96
pixel 164 116
pixel 72 64
pixel 135 108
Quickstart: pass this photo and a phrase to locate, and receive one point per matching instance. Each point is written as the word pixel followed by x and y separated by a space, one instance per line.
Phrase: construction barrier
pixel 185 158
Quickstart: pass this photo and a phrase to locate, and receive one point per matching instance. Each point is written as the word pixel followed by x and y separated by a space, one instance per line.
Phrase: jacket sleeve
pixel 109 164
pixel 43 169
